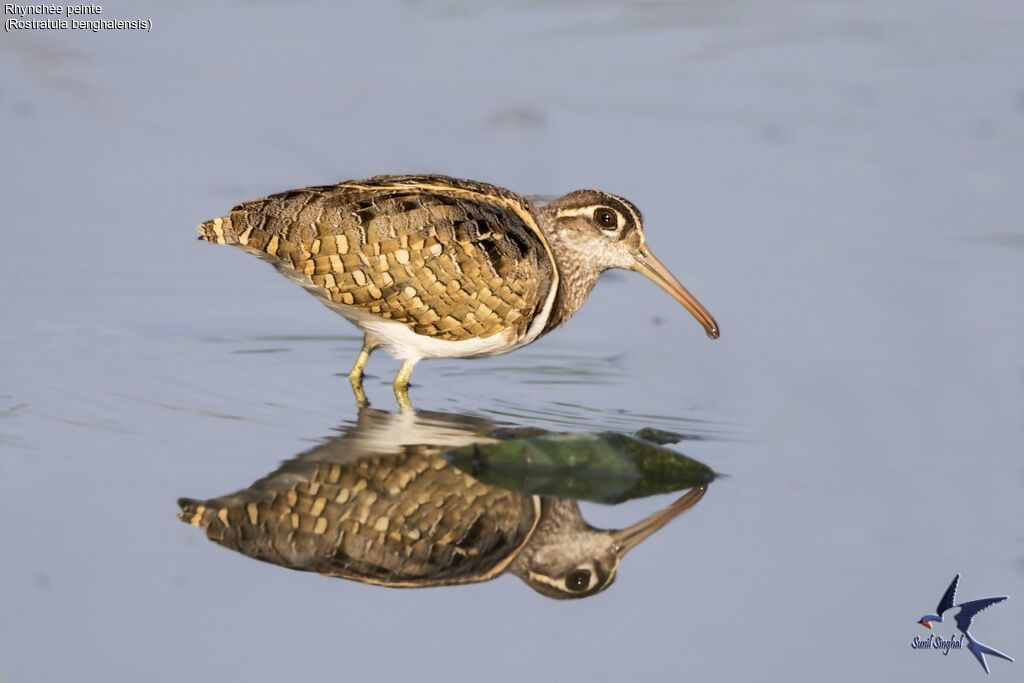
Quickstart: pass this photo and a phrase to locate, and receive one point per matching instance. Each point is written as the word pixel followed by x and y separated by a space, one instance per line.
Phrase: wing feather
pixel 949 597
pixel 969 610
pixel 451 259
pixel 406 520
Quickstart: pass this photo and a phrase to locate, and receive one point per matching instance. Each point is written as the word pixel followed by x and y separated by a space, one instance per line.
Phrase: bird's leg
pixel 357 391
pixel 355 375
pixel 401 383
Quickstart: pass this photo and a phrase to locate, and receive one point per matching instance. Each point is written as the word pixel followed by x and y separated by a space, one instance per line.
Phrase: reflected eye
pixel 578 581
pixel 605 218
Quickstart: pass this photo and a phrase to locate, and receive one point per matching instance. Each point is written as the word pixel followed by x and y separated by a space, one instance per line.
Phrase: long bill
pixel 653 269
pixel 630 537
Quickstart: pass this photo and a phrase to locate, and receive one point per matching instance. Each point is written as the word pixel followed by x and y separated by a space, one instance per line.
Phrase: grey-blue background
pixel 841 183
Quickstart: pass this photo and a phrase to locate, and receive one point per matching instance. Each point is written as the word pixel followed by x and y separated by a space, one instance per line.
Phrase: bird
pixel 964 618
pixel 379 504
pixel 430 266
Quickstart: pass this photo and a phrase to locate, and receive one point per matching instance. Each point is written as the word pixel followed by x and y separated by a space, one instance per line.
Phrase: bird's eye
pixel 605 218
pixel 578 581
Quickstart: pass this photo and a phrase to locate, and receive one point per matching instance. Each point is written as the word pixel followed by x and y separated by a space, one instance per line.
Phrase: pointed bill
pixel 653 269
pixel 628 538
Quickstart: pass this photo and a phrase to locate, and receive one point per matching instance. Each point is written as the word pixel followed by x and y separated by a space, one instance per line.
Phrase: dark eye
pixel 578 581
pixel 605 218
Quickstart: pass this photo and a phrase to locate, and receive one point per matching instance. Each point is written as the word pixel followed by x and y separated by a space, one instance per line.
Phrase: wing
pixel 449 258
pixel 949 598
pixel 969 609
pixel 406 521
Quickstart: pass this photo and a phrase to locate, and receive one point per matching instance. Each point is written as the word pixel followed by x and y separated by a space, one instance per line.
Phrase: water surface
pixel 840 183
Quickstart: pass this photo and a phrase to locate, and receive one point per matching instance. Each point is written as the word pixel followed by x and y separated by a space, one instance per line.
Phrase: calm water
pixel 842 184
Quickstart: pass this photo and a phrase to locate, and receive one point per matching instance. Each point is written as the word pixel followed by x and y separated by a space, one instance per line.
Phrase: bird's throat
pixel 576 279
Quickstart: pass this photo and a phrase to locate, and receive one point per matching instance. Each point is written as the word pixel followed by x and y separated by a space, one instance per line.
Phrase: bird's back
pixel 405 520
pixel 450 259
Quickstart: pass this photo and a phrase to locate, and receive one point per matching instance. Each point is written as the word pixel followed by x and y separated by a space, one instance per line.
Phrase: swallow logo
pixel 964 619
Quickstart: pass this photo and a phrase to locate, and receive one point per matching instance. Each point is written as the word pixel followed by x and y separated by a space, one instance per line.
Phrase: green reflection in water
pixel 608 467
pixel 382 503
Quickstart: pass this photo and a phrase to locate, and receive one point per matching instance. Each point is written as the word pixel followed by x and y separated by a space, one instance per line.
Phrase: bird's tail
pixel 980 650
pixel 219 231
pixel 196 512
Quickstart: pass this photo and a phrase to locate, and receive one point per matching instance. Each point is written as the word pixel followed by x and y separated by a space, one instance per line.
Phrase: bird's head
pixel 599 231
pixel 927 620
pixel 576 567
pixel 567 558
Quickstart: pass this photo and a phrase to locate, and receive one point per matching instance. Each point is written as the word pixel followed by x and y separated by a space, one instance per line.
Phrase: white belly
pixel 401 342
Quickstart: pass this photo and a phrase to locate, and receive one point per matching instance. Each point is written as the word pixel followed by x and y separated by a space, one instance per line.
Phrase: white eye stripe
pixel 588 211
pixel 636 217
pixel 593 576
pixel 578 211
pixel 559 581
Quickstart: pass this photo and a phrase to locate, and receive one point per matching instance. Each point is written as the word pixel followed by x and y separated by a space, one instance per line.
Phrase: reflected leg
pixel 355 375
pixel 401 383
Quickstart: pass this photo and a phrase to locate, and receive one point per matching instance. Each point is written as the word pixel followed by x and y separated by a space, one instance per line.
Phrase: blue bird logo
pixel 964 618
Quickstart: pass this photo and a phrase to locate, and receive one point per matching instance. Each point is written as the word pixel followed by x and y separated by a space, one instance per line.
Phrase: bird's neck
pixel 576 278
pixel 559 520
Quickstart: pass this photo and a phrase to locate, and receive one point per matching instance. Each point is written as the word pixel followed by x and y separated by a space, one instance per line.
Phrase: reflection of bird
pixel 964 618
pixel 379 504
pixel 431 266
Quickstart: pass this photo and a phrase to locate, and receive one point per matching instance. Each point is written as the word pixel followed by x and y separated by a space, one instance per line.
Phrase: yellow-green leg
pixel 355 375
pixel 401 383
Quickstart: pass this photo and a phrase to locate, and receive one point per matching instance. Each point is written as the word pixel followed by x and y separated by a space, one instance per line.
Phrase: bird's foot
pixel 402 396
pixel 401 383
pixel 356 381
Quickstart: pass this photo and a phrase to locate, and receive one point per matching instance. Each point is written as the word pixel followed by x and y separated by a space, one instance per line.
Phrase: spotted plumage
pixel 432 266
pixel 380 504
pixel 372 521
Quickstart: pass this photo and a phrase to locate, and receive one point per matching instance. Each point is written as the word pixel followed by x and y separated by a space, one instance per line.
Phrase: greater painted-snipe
pixel 436 267
pixel 381 504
